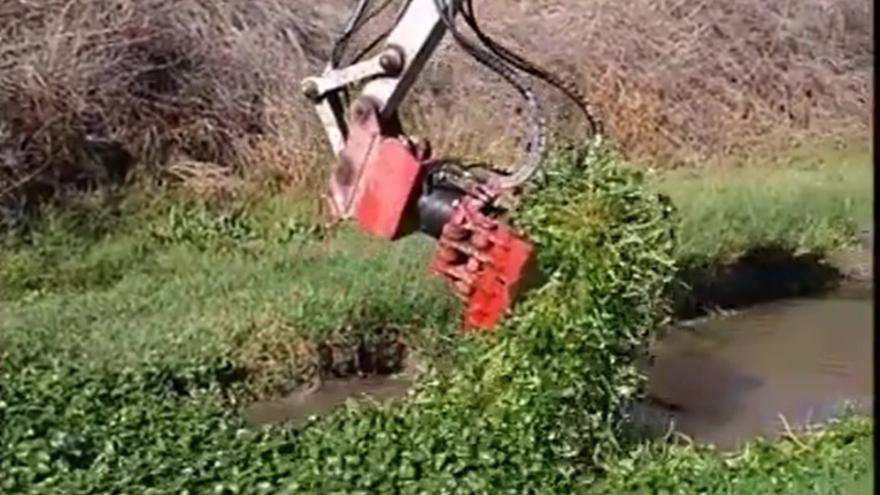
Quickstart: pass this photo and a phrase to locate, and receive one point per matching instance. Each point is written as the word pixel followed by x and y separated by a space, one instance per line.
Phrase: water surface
pixel 719 381
pixel 298 407
pixel 726 380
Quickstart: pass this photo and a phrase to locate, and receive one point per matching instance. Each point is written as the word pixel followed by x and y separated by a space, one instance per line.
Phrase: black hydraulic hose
pixel 567 87
pixel 378 39
pixel 355 23
pixel 537 136
pixel 345 35
pixel 357 20
pixel 494 56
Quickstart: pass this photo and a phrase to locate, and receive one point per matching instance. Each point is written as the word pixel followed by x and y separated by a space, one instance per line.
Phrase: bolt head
pixel 360 112
pixel 310 89
pixel 391 61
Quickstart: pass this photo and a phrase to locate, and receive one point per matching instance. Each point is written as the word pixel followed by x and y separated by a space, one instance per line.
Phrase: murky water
pixel 721 381
pixel 727 380
pixel 297 408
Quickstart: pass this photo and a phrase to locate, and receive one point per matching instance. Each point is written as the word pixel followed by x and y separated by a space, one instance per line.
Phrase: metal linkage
pixel 390 74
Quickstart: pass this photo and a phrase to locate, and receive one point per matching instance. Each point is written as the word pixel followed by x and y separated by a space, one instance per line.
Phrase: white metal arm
pixel 391 74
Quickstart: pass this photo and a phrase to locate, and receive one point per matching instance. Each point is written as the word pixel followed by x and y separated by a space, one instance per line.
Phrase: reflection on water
pixel 726 380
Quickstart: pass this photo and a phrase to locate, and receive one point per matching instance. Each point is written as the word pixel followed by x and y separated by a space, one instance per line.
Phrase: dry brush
pixel 207 90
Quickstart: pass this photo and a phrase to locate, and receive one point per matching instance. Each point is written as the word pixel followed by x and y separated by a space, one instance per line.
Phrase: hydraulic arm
pixel 392 186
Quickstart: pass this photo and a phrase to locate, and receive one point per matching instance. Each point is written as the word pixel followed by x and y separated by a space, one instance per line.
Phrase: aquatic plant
pixel 537 407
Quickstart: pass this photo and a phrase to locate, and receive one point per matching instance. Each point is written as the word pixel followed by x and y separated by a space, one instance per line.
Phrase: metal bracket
pixel 390 75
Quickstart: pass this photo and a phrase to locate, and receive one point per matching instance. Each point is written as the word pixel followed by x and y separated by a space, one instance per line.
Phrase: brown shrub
pixel 91 88
pixel 160 82
pixel 693 80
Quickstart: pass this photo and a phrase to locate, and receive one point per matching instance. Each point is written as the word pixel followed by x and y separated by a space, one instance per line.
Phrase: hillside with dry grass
pixel 206 91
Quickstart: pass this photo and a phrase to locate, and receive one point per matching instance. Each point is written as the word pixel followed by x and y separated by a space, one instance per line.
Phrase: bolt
pixel 473 265
pixel 481 241
pixel 360 112
pixel 310 89
pixel 464 288
pixel 391 60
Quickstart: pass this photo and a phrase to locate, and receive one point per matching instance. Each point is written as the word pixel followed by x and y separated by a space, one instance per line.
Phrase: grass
pixel 814 201
pixel 130 335
pixel 206 294
pixel 837 460
pixel 863 485
pixel 150 308
pixel 184 280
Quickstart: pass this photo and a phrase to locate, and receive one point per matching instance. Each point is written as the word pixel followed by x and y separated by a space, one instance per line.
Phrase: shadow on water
pixel 763 274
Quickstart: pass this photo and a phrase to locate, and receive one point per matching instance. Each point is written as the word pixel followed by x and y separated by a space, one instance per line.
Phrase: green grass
pixel 181 281
pixel 120 337
pixel 836 460
pixel 814 201
pixel 864 485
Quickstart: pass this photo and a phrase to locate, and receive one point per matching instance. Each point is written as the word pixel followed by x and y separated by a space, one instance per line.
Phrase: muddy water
pixel 719 381
pixel 298 407
pixel 726 380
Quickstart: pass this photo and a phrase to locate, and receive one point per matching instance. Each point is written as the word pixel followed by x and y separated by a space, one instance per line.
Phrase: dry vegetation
pixel 203 90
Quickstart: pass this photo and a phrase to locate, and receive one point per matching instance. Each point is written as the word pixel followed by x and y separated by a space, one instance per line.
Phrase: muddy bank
pixel 770 273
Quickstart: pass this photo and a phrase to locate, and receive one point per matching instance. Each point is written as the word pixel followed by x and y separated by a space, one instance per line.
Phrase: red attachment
pixel 377 181
pixel 389 188
pixel 486 262
pixel 377 178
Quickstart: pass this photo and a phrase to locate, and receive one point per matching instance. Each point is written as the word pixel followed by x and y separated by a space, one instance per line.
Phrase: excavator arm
pixel 388 75
pixel 391 185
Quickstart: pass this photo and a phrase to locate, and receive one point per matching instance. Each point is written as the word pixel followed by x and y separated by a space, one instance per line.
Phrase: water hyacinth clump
pixel 538 403
pixel 531 408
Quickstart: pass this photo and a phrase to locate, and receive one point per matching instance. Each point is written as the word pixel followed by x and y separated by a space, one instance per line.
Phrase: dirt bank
pixel 772 273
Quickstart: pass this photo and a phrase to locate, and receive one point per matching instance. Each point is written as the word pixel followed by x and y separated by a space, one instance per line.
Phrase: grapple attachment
pixel 486 262
pixel 392 188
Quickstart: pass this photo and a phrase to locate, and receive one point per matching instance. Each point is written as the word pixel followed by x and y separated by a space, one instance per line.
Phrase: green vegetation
pixel 864 485
pixel 129 342
pixel 823 463
pixel 814 201
pixel 186 281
